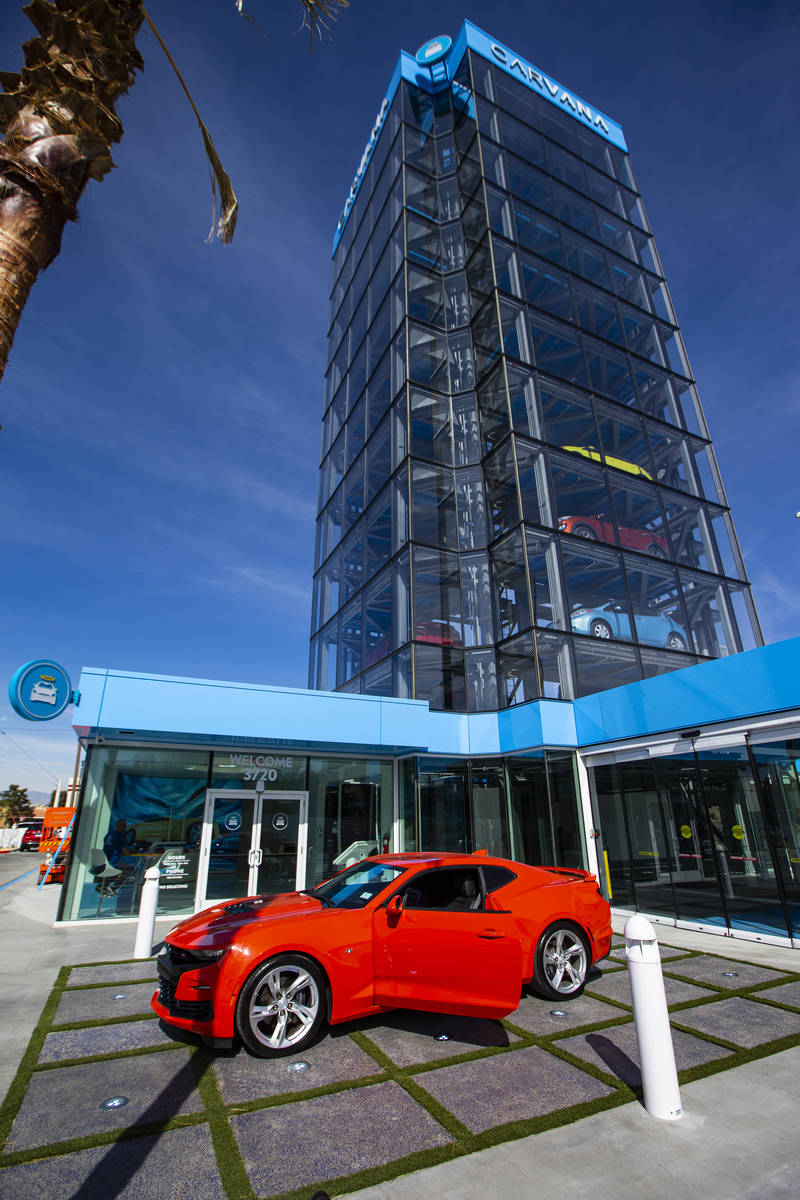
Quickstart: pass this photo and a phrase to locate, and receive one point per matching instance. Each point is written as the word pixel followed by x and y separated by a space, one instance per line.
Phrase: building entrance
pixel 690 836
pixel 251 842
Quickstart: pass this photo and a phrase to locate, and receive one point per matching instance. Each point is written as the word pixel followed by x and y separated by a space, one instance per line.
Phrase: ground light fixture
pixel 297 1067
pixel 114 1102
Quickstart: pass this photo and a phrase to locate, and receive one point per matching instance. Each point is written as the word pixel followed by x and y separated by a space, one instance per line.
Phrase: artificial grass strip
pixel 226 1149
pixel 281 1099
pixel 19 1085
pixel 116 983
pixel 101 1022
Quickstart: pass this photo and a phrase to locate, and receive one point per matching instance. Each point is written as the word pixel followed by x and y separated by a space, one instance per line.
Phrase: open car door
pixel 446 955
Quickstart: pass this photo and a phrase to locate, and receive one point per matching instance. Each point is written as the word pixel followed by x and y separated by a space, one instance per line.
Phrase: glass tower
pixel 518 495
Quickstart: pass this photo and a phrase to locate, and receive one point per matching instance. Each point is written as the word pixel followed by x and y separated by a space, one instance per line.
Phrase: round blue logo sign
pixel 40 691
pixel 233 821
pixel 434 51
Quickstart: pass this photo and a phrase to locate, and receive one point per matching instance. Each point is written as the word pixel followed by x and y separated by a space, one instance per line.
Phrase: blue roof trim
pixel 127 705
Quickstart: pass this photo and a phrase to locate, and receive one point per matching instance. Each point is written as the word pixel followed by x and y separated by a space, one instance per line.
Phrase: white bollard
pixel 147 914
pixel 662 1097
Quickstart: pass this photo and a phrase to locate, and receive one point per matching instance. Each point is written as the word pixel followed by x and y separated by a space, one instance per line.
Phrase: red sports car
pixel 601 528
pixel 434 931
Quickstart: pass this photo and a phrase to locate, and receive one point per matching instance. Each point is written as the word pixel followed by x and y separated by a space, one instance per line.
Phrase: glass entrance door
pixel 252 842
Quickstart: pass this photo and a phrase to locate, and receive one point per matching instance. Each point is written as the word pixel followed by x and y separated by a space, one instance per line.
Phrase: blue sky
pixel 161 405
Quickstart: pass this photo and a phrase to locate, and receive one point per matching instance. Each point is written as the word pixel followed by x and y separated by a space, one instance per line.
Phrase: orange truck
pixel 54 843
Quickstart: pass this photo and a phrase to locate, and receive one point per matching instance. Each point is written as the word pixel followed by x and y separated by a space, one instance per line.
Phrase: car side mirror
pixel 395 905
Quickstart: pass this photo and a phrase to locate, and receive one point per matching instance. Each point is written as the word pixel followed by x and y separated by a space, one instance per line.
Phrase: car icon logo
pixel 45 691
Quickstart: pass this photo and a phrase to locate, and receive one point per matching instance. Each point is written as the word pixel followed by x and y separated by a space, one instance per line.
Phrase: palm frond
pixel 317 16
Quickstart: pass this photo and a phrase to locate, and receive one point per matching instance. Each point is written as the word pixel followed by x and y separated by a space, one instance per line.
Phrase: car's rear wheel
pixel 676 642
pixel 561 962
pixel 584 531
pixel 281 1007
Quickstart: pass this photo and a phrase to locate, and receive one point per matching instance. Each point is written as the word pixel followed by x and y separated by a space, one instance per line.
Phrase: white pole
pixel 662 1098
pixel 57 800
pixel 147 914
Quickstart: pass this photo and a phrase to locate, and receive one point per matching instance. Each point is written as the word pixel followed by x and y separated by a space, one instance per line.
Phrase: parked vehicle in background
pixel 31 836
pixel 601 528
pixel 611 620
pixel 433 931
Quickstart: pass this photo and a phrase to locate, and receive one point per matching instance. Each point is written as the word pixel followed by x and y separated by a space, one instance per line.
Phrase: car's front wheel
pixel 561 962
pixel 281 1007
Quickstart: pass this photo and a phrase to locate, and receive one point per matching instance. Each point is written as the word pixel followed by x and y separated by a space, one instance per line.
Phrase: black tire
pixel 600 629
pixel 655 551
pixel 584 531
pixel 561 962
pixel 282 1006
pixel 676 642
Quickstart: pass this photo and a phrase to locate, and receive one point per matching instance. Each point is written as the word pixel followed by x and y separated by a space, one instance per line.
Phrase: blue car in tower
pixel 611 620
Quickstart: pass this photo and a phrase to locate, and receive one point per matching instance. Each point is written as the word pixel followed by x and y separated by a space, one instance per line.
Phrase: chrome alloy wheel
pixel 564 961
pixel 284 1007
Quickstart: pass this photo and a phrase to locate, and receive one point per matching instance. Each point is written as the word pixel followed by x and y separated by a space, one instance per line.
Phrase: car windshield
pixel 357 885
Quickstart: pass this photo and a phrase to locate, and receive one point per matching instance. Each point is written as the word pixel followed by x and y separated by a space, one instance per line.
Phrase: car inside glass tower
pixel 518 495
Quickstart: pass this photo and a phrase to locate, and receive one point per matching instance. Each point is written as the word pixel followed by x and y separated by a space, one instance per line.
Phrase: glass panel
pixel 489 809
pixel 471 508
pixel 517 672
pixel 354 493
pixel 567 417
pixel 709 619
pixel 378 621
pixel 501 490
pixel 555 665
pixel 349 810
pixel 531 819
pixel 429 433
pixel 602 665
pixel 566 816
pixel 433 513
pixel 353 562
pixel 658 614
pixel 558 351
pixel 524 409
pixel 439 676
pixel 476 599
pixel 582 501
pixel 228 856
pixel 623 441
pixel 640 518
pixel 437 598
pixel 428 357
pixel 511 605
pixel 546 589
pixel 280 824
pixel 350 642
pixel 442 804
pixel 378 533
pixel 778 765
pixel 493 410
pixel 481 671
pixel 466 444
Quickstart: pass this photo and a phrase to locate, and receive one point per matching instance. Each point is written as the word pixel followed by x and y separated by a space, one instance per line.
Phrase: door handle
pixel 490 934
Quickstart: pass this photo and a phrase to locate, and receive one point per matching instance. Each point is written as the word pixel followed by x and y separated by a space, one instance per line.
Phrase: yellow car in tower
pixel 621 464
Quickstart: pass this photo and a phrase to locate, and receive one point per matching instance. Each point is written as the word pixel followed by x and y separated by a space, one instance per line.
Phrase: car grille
pixel 193 1010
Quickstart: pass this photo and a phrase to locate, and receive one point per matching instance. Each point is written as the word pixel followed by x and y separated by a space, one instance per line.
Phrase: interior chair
pixel 107 879
pixel 468 897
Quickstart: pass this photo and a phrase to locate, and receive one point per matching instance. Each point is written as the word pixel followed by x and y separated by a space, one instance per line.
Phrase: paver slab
pixel 104 1039
pixel 113 973
pixel 542 1018
pixel 410 1038
pixel 65 1103
pixel 786 993
pixel 179 1164
pixel 516 1086
pixel 97 1004
pixel 302 1144
pixel 616 986
pixel 745 1022
pixel 615 1050
pixel 722 972
pixel 241 1076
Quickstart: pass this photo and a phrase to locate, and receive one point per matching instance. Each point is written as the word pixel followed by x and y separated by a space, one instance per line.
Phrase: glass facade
pixel 518 495
pixel 710 837
pixel 148 806
pixel 524 807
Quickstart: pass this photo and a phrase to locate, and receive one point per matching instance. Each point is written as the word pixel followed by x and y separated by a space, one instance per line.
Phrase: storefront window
pixel 141 808
pixel 350 813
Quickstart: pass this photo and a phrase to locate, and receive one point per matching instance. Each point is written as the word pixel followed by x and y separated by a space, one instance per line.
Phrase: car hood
pixel 214 927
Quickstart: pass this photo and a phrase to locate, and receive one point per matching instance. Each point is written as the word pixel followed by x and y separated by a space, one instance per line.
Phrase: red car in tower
pixel 439 932
pixel 600 528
